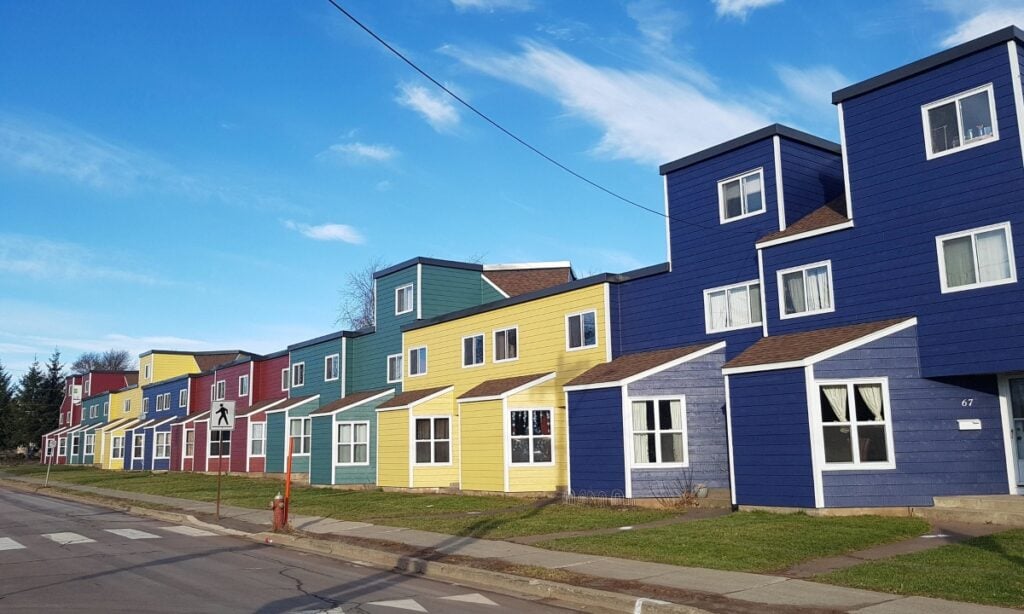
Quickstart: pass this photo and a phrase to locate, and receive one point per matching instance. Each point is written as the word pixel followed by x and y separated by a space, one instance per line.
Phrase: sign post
pixel 222 420
pixel 51 443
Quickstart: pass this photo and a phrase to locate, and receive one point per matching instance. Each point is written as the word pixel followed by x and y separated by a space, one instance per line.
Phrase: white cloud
pixel 41 258
pixel 657 22
pixel 493 5
pixel 740 8
pixel 361 151
pixel 436 109
pixel 812 85
pixel 644 116
pixel 327 232
pixel 990 17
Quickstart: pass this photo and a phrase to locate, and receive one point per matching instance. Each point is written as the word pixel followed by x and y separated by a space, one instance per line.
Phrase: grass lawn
pixel 747 541
pixel 987 570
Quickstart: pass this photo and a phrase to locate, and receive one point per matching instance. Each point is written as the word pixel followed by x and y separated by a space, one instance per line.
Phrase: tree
pixel 6 409
pixel 53 396
pixel 29 401
pixel 357 305
pixel 111 360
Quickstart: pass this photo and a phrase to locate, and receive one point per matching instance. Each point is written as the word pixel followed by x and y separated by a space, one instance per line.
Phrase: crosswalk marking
pixel 471 598
pixel 6 543
pixel 401 604
pixel 65 539
pixel 132 533
pixel 190 531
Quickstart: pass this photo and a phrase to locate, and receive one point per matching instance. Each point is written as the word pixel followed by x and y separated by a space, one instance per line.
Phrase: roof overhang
pixel 508 393
pixel 297 403
pixel 429 397
pixel 649 372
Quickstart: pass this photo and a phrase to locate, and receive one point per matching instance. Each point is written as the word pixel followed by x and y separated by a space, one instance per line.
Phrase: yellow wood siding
pixel 483 448
pixel 526 478
pixel 166 366
pixel 393 448
pixel 440 475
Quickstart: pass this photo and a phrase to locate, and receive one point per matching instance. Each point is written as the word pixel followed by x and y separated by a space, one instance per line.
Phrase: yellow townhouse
pixel 483 408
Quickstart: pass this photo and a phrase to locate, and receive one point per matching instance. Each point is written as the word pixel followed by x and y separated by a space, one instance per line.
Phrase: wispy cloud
pixel 44 259
pixel 980 18
pixel 812 86
pixel 327 232
pixel 493 5
pixel 439 112
pixel 356 151
pixel 740 8
pixel 657 22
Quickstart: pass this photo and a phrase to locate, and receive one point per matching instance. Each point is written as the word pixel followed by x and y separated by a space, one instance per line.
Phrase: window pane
pixel 345 433
pixel 295 427
pixel 467 351
pixel 644 450
pixel 478 348
pixel 575 332
pixel 499 346
pixel 520 450
pixel 589 329
pixel 513 343
pixel 752 192
pixel 362 433
pixel 755 303
pixel 671 447
pixel 958 257
pixel 739 307
pixel 361 451
pixel 834 404
pixel 423 452
pixel 872 443
pixel 733 201
pixel 671 415
pixel 942 123
pixel 993 256
pixel 520 423
pixel 837 444
pixel 977 117
pixel 344 454
pixel 718 312
pixel 542 450
pixel 441 452
pixel 441 428
pixel 818 291
pixel 793 292
pixel 541 423
pixel 640 421
pixel 423 429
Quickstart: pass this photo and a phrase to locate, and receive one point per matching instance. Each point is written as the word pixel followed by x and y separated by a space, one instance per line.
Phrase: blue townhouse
pixel 148 444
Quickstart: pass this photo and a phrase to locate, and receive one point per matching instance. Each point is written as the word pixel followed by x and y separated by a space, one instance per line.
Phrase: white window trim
pixel 184 443
pixel 136 438
pixel 424 365
pixel 106 408
pixel 145 405
pixel 580 315
pixel 221 390
pixel 62 446
pixel 252 438
pixel 509 463
pixel 337 360
pixel 89 449
pixel 483 355
pixel 288 435
pixel 1012 279
pixel 337 443
pixel 401 369
pixel 115 448
pixel 412 303
pixel 926 125
pixel 432 440
pixel 686 431
pixel 242 378
pixel 819 424
pixel 126 406
pixel 494 344
pixel 183 398
pixel 721 196
pixel 286 378
pixel 294 379
pixel 156 445
pixel 147 371
pixel 803 268
pixel 726 289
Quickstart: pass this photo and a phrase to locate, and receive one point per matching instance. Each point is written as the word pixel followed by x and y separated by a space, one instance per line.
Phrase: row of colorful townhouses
pixel 836 326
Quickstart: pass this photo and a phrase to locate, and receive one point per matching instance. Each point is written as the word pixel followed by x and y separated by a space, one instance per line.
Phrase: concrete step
pixel 1012 504
pixel 970 515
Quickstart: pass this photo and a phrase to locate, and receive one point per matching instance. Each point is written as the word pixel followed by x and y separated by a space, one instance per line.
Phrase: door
pixel 1017 419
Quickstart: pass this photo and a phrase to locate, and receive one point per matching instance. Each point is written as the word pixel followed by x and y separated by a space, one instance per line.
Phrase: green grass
pixel 988 570
pixel 747 541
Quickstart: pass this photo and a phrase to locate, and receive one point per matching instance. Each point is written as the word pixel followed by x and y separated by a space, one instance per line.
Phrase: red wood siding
pixel 239 445
pixel 176 447
pixel 200 393
pixel 202 446
pixel 268 379
pixel 230 376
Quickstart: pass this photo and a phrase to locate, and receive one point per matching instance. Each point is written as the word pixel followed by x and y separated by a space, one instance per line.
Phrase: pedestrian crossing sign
pixel 222 416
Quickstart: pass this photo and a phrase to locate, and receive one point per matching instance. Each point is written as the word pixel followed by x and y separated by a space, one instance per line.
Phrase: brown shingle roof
pixel 258 407
pixel 348 401
pixel 632 364
pixel 830 214
pixel 798 346
pixel 520 281
pixel 408 398
pixel 498 387
pixel 210 361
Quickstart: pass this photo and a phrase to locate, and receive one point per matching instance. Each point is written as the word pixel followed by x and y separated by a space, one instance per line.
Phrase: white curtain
pixel 993 257
pixel 717 310
pixel 675 416
pixel 958 256
pixel 640 424
pixel 739 307
pixel 872 395
pixel 795 301
pixel 752 193
pixel 836 396
pixel 818 296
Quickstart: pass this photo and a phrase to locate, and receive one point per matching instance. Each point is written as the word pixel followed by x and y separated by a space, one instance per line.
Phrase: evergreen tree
pixel 53 395
pixel 6 408
pixel 29 402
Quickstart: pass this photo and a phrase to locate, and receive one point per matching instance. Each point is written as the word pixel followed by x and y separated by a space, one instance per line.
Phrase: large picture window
pixel 805 290
pixel 581 330
pixel 433 441
pixel 732 307
pixel 855 422
pixel 960 122
pixel 530 431
pixel 976 258
pixel 741 196
pixel 300 432
pixel 659 431
pixel 506 344
pixel 354 443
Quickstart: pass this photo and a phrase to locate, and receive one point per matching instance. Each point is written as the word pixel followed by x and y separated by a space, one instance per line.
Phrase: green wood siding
pixel 275 443
pixel 367 360
pixel 313 356
pixel 360 474
pixel 320 456
pixel 446 290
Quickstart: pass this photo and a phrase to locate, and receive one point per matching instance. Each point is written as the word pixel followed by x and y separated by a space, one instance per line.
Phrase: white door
pixel 1017 419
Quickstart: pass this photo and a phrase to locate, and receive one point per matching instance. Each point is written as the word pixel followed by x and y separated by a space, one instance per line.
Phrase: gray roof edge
pixel 746 139
pixel 451 264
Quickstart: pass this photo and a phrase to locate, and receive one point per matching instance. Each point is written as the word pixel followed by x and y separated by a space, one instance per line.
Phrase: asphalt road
pixel 60 556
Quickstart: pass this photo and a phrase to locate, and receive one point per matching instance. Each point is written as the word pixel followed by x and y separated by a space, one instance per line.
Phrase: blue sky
pixel 205 175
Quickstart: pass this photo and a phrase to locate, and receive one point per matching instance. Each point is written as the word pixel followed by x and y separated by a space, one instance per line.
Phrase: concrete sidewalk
pixel 772 591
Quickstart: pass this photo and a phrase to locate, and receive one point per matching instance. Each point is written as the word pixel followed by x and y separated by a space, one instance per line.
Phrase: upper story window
pixel 581 330
pixel 856 427
pixel 284 379
pixel 403 299
pixel 298 374
pixel 473 350
pixel 127 405
pixel 88 384
pixel 960 122
pixel 332 368
pixel 394 368
pixel 221 390
pixel 732 307
pixel 805 290
pixel 147 371
pixel 741 196
pixel 976 258
pixel 506 344
pixel 145 405
pixel 106 408
pixel 183 397
pixel 243 385
pixel 417 361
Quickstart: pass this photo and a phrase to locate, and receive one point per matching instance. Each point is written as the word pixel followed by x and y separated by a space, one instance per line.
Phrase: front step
pixel 1010 504
pixel 972 515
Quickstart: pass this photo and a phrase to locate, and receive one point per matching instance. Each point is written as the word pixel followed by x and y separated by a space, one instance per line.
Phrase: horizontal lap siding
pixel 933 457
pixel 313 357
pixel 240 445
pixel 771 440
pixel 267 374
pixel 811 177
pixel 230 376
pixel 367 357
pixel 393 448
pixel 177 443
pixel 160 464
pixel 446 290
pixel 439 475
pixel 358 474
pixel 173 388
pixel 596 461
pixel 483 446
pixel 320 463
pixel 275 442
pixel 202 448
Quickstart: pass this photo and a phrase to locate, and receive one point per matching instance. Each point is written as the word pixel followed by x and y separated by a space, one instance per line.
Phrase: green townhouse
pixel 82 439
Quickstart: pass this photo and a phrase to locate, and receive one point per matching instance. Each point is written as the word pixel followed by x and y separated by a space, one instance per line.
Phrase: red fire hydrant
pixel 280 519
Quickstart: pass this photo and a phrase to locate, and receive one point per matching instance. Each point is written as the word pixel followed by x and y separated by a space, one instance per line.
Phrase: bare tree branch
pixel 357 308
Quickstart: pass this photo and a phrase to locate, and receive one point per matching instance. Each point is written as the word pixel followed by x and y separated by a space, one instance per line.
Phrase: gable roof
pixel 747 139
pixel 496 388
pixel 800 349
pixel 293 402
pixel 830 214
pixel 258 407
pixel 516 281
pixel 212 361
pixel 624 368
pixel 412 397
pixel 349 401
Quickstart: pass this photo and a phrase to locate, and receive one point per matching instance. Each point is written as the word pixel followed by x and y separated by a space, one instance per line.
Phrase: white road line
pixel 190 531
pixel 132 533
pixel 65 539
pixel 401 604
pixel 6 543
pixel 471 598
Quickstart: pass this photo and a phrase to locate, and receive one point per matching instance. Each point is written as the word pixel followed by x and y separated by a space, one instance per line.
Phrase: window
pixel 257 439
pixel 62 447
pixel 127 405
pixel 433 441
pixel 183 398
pixel 284 379
pixel 299 430
pixel 855 424
pixel 243 385
pixel 298 374
pixel 76 445
pixel 220 443
pixel 473 350
pixel 394 368
pixel 960 122
pixel 417 361
pixel 117 447
pixel 161 402
pixel 354 443
pixel 163 445
pixel 732 307
pixel 506 344
pixel 805 290
pixel 403 299
pixel 90 443
pixel 106 408
pixel 531 435
pixel 147 371
pixel 88 385
pixel 659 431
pixel 221 390
pixel 92 410
pixel 145 405
pixel 741 196
pixel 332 368
pixel 976 258
pixel 190 443
pixel 137 445
pixel 581 330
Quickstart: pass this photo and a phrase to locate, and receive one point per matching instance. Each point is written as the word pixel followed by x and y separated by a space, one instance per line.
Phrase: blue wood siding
pixel 700 382
pixel 320 452
pixel 163 464
pixel 275 442
pixel 811 177
pixel 313 357
pixel 172 387
pixel 596 457
pixel 147 450
pixel 933 457
pixel 770 439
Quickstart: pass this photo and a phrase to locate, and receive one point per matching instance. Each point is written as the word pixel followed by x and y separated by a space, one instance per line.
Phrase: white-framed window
pixel 126 406
pixel 473 350
pixel 404 296
pixel 162 445
pixel 88 385
pixel 394 368
pixel 147 371
pixel 285 381
pixel 741 196
pixel 106 408
pixel 220 444
pixel 732 307
pixel 530 434
pixel 806 290
pixel 506 344
pixel 257 438
pixel 76 445
pixel 243 385
pixel 190 443
pixel 332 368
pixel 62 446
pixel 92 410
pixel 581 330
pixel 117 447
pixel 354 443
pixel 417 361
pixel 298 374
pixel 960 122
pixel 976 258
pixel 90 444
pixel 856 424
pixel 433 441
pixel 183 398
pixel 659 431
pixel 145 405
pixel 221 390
pixel 138 443
pixel 300 431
